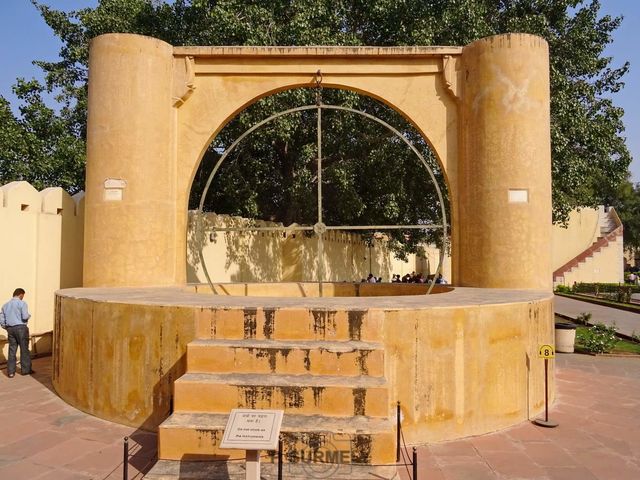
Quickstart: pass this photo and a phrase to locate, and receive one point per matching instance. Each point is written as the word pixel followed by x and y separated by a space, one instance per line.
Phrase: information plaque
pixel 252 429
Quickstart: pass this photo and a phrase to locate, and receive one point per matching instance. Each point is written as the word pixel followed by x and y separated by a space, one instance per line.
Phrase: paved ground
pixel 598 438
pixel 41 437
pixel 627 322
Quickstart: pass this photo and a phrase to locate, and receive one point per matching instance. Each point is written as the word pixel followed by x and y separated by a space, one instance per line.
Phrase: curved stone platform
pixel 463 362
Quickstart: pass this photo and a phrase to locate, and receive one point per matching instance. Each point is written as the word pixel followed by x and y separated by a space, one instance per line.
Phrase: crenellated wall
pixel 41 244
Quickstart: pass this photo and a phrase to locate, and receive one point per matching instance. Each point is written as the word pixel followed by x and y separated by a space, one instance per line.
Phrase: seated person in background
pixel 441 280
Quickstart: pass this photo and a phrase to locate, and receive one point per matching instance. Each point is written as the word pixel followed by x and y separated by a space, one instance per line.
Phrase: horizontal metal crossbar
pixel 320 228
pixel 384 227
pixel 328 227
pixel 258 229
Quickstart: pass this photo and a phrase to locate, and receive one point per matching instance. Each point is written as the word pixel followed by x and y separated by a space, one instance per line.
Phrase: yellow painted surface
pixel 309 289
pixel 277 257
pixel 284 360
pixel 506 146
pixel 459 368
pixel 119 361
pixel 582 230
pixel 461 362
pixel 174 442
pixel 478 374
pixel 585 227
pixel 130 124
pixel 40 251
pixel 154 109
pixel 193 396
pixel 605 266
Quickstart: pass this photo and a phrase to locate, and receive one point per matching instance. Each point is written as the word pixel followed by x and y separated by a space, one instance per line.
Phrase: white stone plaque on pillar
pixel 518 195
pixel 114 189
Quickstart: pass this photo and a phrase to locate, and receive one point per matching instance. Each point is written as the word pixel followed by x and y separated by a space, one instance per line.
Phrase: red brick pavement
pixel 41 437
pixel 597 406
pixel 598 409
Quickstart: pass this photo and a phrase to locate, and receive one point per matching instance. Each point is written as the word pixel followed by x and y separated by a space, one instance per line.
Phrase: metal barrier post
pixel 125 461
pixel 415 464
pixel 280 459
pixel 398 432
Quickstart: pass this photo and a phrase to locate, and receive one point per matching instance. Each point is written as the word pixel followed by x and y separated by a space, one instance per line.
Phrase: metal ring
pixel 199 220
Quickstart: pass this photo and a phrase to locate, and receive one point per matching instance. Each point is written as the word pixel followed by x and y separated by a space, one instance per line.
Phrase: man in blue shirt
pixel 13 318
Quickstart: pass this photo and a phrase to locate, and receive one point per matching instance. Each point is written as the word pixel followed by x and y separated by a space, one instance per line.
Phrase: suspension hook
pixel 318 81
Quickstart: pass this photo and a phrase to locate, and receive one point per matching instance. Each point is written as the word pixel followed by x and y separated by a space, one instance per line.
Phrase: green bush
pixel 603 287
pixel 611 291
pixel 584 318
pixel 597 339
pixel 563 289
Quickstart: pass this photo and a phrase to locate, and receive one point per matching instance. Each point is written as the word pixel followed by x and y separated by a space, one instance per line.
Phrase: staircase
pixel 325 369
pixel 610 228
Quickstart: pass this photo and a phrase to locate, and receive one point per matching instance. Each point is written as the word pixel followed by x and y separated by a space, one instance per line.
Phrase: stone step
pixel 349 358
pixel 303 394
pixel 235 470
pixel 289 324
pixel 334 440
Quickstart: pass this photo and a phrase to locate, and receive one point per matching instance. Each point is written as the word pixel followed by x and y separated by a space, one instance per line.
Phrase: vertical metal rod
pixel 280 459
pixel 125 462
pixel 546 390
pixel 319 163
pixel 415 463
pixel 320 262
pixel 398 432
pixel 320 234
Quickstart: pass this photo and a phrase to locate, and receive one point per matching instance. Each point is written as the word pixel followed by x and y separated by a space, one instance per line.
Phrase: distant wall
pixel 582 230
pixel 292 256
pixel 41 241
pixel 606 266
pixel 582 239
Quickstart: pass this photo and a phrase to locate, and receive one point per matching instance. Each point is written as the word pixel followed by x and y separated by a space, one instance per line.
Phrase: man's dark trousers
pixel 18 336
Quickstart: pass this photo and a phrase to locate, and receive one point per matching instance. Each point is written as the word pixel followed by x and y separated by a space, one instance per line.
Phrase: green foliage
pixel 563 289
pixel 41 145
pixel 597 339
pixel 584 318
pixel 626 200
pixel 627 346
pixel 274 171
pixel 610 291
pixel 46 146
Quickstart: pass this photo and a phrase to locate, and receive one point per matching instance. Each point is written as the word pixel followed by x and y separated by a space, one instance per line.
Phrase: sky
pixel 25 37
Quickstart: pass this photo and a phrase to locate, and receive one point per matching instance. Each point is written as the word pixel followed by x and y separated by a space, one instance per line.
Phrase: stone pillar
pixel 130 226
pixel 505 166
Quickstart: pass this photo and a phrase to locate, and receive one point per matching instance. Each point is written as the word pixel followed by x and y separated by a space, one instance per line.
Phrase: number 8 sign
pixel 546 351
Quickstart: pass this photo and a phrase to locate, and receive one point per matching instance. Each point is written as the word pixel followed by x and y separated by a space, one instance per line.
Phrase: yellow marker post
pixel 546 351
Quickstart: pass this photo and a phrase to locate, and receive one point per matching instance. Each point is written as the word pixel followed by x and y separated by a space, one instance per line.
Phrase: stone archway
pixel 154 108
pixel 460 362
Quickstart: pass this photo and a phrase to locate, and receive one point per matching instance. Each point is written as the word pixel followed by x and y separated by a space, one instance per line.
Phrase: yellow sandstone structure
pixel 40 251
pixel 136 345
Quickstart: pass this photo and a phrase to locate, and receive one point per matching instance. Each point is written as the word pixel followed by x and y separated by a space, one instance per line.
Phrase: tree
pixel 626 200
pixel 588 151
pixel 40 146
